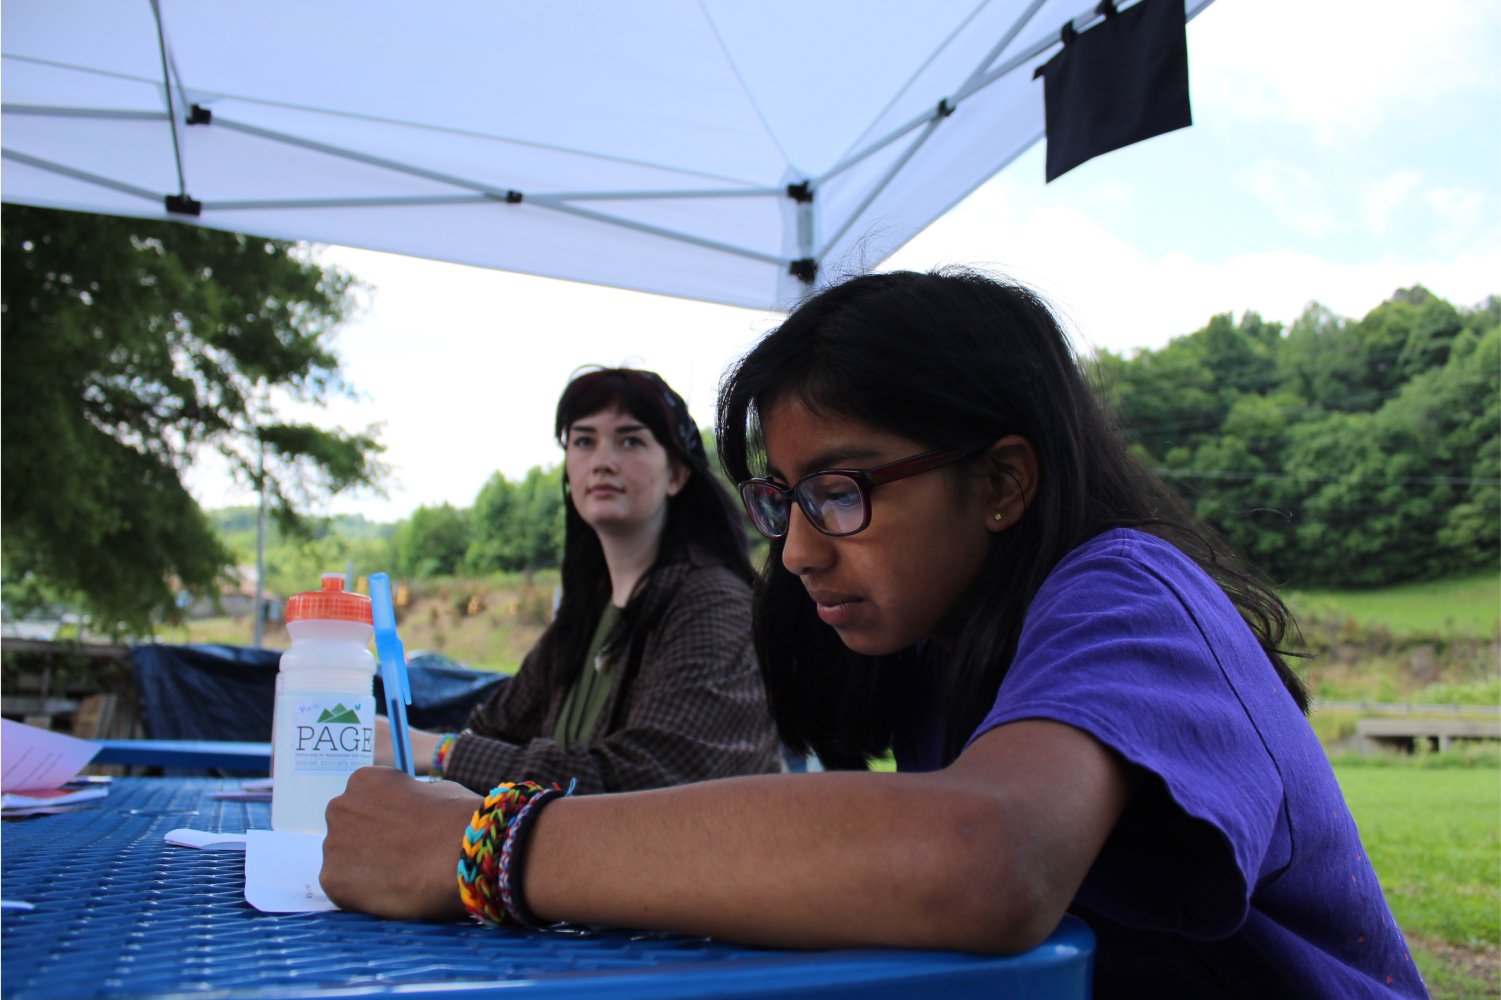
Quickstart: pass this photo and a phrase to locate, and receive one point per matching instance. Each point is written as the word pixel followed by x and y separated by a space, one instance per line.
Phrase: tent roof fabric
pixel 647 146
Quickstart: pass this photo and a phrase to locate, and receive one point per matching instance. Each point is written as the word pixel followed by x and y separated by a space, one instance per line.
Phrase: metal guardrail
pixel 1403 708
pixel 99 651
pixel 23 705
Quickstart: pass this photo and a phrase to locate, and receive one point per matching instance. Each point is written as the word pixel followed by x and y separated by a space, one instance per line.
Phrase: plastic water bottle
pixel 325 704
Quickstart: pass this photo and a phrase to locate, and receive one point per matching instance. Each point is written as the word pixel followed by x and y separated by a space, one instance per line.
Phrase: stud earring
pixel 998 517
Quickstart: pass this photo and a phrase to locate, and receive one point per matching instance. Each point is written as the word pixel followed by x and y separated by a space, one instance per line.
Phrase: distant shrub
pixel 1482 693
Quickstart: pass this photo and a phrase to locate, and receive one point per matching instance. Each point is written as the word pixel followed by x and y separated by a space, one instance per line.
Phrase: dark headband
pixel 684 431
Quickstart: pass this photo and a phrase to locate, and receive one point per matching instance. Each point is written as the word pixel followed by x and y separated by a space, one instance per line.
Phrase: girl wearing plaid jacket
pixel 646 676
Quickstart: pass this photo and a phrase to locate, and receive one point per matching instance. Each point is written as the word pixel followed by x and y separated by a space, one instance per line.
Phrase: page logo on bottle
pixel 334 739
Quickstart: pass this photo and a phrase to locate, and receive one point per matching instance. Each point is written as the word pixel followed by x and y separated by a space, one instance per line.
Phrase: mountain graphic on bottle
pixel 339 714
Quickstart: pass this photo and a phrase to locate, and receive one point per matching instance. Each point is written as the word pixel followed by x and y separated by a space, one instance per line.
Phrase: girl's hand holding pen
pixel 393 845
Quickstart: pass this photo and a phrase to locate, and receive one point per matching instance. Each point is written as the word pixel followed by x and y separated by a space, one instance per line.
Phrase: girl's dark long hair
pixel 951 359
pixel 701 516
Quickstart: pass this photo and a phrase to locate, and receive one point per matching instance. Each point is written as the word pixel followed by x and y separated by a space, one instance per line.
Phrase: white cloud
pixel 1383 198
pixel 1109 193
pixel 1338 69
pixel 1463 212
pixel 1293 194
pixel 464 367
pixel 1116 297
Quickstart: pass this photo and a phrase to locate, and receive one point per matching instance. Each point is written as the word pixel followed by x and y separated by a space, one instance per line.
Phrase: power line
pixel 1319 478
pixel 1335 507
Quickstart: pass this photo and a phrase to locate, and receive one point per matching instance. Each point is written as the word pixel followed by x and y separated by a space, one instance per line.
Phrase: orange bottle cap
pixel 332 603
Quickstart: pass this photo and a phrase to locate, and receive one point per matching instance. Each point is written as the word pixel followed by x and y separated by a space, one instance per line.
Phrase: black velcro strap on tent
pixel 1122 81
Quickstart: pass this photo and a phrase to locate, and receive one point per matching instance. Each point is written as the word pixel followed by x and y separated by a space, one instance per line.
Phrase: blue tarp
pixel 443 692
pixel 205 692
pixel 227 692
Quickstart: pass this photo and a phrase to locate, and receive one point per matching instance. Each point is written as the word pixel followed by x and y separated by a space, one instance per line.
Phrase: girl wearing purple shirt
pixel 1082 687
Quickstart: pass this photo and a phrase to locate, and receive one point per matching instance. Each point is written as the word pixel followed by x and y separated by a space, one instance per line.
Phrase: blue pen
pixel 393 670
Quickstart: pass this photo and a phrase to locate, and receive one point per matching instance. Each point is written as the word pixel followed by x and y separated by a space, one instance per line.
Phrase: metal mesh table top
pixel 119 914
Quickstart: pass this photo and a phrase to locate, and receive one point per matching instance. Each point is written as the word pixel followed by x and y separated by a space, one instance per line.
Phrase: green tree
pixel 128 346
pixel 1373 527
pixel 1178 396
pixel 295 559
pixel 1330 454
pixel 433 542
pixel 519 525
pixel 1356 366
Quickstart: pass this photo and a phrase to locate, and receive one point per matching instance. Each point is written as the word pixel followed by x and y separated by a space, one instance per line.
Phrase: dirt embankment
pixel 488 623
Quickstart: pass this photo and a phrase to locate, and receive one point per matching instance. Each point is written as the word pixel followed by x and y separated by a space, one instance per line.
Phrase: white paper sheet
pixel 47 810
pixel 52 797
pixel 32 758
pixel 281 872
pixel 205 841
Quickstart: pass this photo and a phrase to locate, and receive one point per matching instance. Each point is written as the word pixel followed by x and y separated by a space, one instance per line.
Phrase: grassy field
pixel 1434 838
pixel 1426 643
pixel 1471 605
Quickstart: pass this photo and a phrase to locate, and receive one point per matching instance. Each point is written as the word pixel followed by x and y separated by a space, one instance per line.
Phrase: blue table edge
pixel 185 753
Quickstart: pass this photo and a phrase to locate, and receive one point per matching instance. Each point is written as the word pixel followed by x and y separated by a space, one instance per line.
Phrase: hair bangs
pixel 615 389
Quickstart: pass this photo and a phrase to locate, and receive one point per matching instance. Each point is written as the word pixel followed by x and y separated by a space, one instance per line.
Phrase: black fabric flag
pixel 1120 82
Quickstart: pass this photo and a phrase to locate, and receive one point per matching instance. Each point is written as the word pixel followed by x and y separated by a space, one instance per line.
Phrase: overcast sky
pixel 1340 151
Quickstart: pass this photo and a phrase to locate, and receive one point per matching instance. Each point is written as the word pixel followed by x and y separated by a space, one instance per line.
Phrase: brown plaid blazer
pixel 696 708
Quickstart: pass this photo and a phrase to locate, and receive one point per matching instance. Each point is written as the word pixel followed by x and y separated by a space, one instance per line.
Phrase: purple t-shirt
pixel 1236 869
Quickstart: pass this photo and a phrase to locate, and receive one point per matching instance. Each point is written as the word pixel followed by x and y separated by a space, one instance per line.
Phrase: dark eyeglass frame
pixel 865 481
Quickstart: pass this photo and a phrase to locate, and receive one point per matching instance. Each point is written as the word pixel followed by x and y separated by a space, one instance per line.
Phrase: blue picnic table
pixel 186 753
pixel 120 914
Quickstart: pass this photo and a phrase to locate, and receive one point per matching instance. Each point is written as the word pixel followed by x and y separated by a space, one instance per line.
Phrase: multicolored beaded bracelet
pixel 441 752
pixel 493 847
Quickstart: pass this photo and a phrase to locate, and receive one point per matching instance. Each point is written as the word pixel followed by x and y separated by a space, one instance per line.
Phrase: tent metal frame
pixel 803 193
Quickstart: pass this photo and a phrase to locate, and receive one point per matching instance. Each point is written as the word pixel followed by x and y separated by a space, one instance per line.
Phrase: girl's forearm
pixel 800 860
pixel 984 856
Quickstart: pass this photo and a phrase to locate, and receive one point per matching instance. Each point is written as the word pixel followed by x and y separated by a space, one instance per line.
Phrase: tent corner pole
pixel 258 635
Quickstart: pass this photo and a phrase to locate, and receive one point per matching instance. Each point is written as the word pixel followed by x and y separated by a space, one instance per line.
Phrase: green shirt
pixel 587 696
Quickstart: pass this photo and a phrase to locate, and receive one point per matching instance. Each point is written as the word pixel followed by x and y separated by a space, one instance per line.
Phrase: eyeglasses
pixel 836 501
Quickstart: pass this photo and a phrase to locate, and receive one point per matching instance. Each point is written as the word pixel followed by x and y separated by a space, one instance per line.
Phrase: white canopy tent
pixel 721 150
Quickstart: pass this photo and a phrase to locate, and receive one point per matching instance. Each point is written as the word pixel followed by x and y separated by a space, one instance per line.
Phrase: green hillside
pixel 1468 605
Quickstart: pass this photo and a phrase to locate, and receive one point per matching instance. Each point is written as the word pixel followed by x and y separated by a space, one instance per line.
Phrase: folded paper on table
pixel 255 790
pixel 281 872
pixel 51 797
pixel 32 758
pixel 205 841
pixel 11 813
